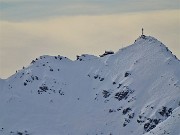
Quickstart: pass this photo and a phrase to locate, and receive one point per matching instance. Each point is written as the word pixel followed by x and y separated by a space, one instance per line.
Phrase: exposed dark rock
pixel 111 110
pixel 62 93
pixel 106 93
pixel 131 115
pixel 127 74
pixel 123 94
pixel 106 53
pixel 165 112
pixel 125 111
pixel 120 108
pixel 36 78
pixel 33 61
pixel 19 133
pixel 95 77
pixel 25 83
pixel 149 126
pixel 43 88
pixel 119 86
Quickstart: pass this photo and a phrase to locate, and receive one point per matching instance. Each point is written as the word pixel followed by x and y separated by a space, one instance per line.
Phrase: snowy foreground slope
pixel 134 91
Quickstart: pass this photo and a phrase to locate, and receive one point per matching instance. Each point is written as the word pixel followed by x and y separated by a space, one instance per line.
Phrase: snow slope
pixel 134 91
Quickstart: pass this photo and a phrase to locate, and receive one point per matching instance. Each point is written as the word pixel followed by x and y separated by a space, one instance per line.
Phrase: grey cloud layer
pixel 21 10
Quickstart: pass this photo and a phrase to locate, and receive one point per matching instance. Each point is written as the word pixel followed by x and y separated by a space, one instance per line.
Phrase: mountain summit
pixel 134 91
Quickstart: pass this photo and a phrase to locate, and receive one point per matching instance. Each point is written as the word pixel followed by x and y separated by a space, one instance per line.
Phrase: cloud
pixel 23 10
pixel 74 35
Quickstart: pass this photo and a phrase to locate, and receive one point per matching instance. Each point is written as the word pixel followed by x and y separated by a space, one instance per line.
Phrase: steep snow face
pixel 134 91
pixel 169 126
pixel 1 84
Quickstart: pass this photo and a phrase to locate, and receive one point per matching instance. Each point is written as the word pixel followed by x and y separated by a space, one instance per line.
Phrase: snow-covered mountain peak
pixel 147 47
pixel 50 59
pixel 134 91
pixel 146 38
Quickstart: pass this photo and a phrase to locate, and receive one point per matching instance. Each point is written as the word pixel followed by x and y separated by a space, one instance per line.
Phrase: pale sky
pixel 31 28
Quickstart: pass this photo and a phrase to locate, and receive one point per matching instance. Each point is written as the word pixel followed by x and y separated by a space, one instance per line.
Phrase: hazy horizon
pixel 68 28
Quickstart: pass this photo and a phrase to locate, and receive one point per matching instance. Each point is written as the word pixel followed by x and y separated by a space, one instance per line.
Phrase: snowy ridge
pixel 134 91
